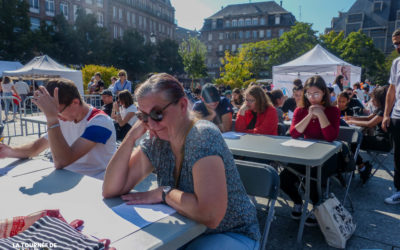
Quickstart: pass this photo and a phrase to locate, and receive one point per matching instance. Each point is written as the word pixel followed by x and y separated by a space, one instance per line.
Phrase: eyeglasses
pixel 314 95
pixel 155 114
pixel 396 45
pixel 121 75
pixel 66 106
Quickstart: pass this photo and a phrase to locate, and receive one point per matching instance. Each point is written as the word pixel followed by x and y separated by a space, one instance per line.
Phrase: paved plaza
pixel 378 224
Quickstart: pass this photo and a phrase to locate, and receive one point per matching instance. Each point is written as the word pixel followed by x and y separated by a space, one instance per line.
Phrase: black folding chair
pixel 263 181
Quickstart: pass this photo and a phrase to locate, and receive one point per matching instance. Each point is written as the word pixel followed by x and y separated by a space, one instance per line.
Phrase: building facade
pixel 376 18
pixel 154 19
pixel 235 25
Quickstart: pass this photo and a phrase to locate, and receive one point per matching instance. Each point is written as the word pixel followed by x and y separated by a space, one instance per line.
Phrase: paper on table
pixel 232 135
pixel 297 143
pixel 143 215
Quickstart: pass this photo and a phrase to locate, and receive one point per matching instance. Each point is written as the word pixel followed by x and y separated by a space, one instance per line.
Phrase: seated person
pixel 257 115
pixel 107 98
pixel 314 119
pixel 214 108
pixel 237 98
pixel 377 139
pixel 277 98
pixel 355 104
pixel 124 114
pixel 343 102
pixel 81 138
pixel 293 102
pixel 196 173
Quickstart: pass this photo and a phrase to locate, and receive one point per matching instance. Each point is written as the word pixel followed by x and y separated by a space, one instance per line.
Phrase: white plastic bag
pixel 335 221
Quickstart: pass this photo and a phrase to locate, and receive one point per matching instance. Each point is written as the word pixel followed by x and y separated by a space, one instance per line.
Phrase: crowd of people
pixel 184 146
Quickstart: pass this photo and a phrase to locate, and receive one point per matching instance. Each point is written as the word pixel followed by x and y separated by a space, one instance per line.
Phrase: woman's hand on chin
pixel 149 197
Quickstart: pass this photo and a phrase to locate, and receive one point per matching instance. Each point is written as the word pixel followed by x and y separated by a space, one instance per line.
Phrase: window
pixel 214 24
pixel 209 48
pixel 133 19
pixel 144 22
pixel 233 47
pixel 88 11
pixel 121 32
pixel 115 31
pixel 354 18
pixel 64 9
pixel 248 34
pixel 255 35
pixel 221 36
pixel 227 24
pixel 268 33
pixel 241 22
pixel 210 37
pixel 34 6
pixel 35 23
pixel 255 21
pixel 277 19
pixel 234 23
pixel 227 47
pixel 100 3
pixel 128 18
pixel 120 14
pixel 261 33
pixel 89 1
pixel 240 46
pixel 227 35
pixel 262 21
pixel 49 7
pixel 240 34
pixel 114 12
pixel 281 32
pixel 248 21
pixel 140 21
pixel 100 19
pixel 220 47
pixel 75 11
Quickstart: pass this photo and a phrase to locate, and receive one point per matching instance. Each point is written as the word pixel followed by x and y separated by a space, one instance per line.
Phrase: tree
pixel 168 59
pixel 15 30
pixel 332 41
pixel 193 53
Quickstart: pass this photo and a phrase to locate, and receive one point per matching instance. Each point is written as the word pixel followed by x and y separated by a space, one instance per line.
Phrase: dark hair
pixel 348 88
pixel 262 100
pixel 241 99
pixel 396 33
pixel 379 94
pixel 344 94
pixel 6 80
pixel 338 83
pixel 67 90
pixel 125 97
pixel 357 85
pixel 297 88
pixel 197 91
pixel 318 82
pixel 161 83
pixel 98 74
pixel 114 78
pixel 297 82
pixel 330 90
pixel 275 95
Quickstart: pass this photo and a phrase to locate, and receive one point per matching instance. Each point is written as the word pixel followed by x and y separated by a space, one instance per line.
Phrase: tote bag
pixel 335 221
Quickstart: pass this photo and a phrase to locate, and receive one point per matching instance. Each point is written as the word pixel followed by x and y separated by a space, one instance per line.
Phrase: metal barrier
pixel 94 100
pixel 11 127
pixel 29 107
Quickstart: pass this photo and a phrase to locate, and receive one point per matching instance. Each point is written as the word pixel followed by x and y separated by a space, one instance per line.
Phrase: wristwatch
pixel 165 191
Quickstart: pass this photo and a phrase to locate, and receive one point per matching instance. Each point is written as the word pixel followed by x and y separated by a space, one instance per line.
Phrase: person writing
pixel 257 115
pixel 81 138
pixel 195 170
pixel 123 114
pixel 314 119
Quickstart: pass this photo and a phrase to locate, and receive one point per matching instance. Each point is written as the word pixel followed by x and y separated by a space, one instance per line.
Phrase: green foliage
pixel 106 73
pixel 389 60
pixel 332 41
pixel 168 60
pixel 193 53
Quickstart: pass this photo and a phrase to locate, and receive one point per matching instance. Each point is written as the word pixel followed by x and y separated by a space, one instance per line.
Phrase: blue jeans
pixel 221 241
pixel 8 102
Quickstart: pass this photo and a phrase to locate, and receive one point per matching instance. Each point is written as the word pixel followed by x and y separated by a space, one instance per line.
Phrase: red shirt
pixel 314 130
pixel 266 124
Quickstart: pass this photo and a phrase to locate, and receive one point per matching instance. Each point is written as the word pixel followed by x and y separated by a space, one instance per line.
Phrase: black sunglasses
pixel 155 114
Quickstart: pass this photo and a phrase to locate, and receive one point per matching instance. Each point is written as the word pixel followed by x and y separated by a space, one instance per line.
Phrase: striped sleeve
pixel 99 129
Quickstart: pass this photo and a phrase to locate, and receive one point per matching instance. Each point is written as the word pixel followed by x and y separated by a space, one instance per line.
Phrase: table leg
pixel 319 184
pixel 40 133
pixel 305 206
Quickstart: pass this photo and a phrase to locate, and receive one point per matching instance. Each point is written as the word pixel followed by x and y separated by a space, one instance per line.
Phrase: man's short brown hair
pixel 67 90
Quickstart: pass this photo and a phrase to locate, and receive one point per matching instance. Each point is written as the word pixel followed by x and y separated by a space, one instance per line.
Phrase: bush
pixel 106 73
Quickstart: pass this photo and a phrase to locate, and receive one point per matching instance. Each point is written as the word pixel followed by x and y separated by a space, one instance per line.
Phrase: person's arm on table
pixel 299 123
pixel 124 121
pixel 375 120
pixel 25 151
pixel 226 122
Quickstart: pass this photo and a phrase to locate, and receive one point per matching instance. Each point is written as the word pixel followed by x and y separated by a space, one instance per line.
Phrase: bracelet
pixel 54 126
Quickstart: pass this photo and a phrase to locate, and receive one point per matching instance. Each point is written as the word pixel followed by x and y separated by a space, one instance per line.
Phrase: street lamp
pixel 152 38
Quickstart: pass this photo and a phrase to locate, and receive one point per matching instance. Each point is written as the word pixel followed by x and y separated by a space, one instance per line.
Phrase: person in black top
pixel 354 103
pixel 99 83
pixel 107 98
pixel 293 102
pixel 375 138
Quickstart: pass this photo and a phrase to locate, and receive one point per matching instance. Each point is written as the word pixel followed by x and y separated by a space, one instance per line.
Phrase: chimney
pixel 281 3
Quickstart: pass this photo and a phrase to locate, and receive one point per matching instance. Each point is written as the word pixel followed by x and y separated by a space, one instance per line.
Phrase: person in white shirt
pixel 8 88
pixel 81 138
pixel 22 89
pixel 124 113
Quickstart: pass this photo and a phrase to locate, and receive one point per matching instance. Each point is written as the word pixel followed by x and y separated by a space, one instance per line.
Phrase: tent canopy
pixel 45 67
pixel 8 65
pixel 317 61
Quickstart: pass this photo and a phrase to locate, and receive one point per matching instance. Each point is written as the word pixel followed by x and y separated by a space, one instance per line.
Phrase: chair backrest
pixel 258 179
pixel 350 135
pixel 282 129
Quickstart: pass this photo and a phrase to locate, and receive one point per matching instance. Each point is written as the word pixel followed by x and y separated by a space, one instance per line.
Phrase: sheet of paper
pixel 143 215
pixel 290 115
pixel 297 143
pixel 232 135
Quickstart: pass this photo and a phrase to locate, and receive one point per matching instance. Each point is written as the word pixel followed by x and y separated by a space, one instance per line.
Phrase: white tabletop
pixel 80 197
pixel 271 148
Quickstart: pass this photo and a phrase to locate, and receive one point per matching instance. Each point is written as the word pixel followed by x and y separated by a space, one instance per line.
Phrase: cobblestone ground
pixel 378 224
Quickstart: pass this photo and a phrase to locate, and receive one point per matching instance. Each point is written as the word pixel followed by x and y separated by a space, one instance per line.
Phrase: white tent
pixel 45 67
pixel 9 65
pixel 317 61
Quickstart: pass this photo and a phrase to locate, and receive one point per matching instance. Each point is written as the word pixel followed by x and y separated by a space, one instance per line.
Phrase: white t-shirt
pixel 336 89
pixel 22 88
pixel 395 80
pixel 7 88
pixel 98 127
pixel 131 109
pixel 360 95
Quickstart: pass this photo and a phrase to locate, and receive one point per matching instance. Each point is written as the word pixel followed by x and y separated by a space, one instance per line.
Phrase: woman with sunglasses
pixel 195 170
pixel 122 83
pixel 257 115
pixel 123 114
pixel 314 119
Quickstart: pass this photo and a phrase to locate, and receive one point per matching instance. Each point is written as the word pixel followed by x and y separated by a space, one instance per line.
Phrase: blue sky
pixel 191 13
